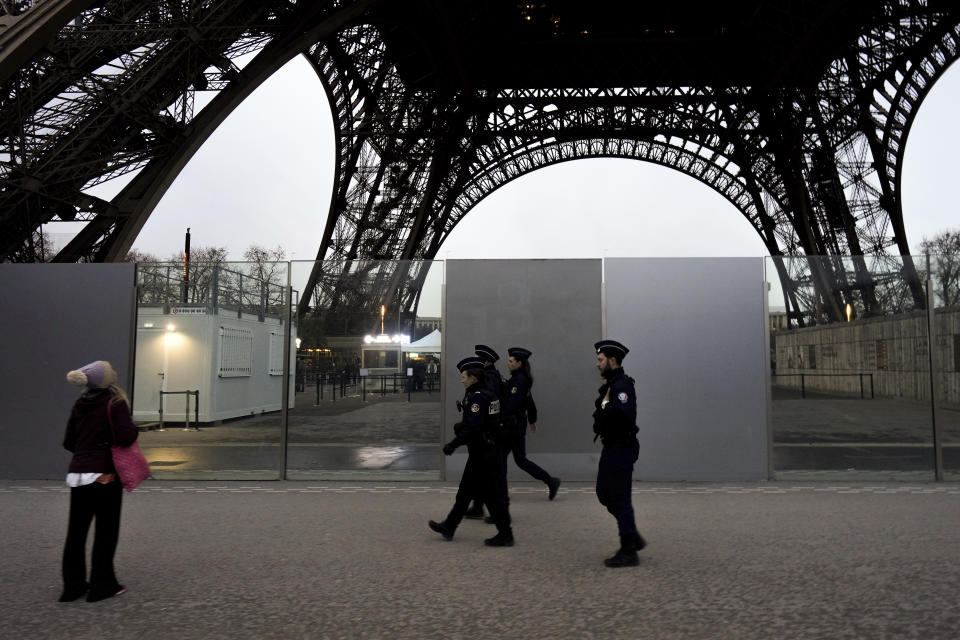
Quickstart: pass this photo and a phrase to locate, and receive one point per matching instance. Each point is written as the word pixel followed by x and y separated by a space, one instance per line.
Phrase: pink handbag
pixel 132 466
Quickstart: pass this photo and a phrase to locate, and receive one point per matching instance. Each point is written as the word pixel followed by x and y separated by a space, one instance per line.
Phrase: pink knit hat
pixel 96 375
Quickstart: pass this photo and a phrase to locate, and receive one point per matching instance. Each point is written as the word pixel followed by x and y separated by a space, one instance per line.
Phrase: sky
pixel 265 177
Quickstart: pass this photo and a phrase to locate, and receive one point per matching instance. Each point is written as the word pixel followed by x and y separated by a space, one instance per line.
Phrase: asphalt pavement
pixel 356 560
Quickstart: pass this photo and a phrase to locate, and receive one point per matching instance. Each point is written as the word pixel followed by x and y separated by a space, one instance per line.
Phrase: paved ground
pixel 307 560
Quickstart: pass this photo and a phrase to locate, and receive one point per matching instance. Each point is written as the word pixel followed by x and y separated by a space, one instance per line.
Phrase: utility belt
pixel 613 435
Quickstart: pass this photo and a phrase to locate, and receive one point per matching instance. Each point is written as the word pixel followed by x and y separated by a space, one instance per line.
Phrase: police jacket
pixel 616 423
pixel 481 417
pixel 493 381
pixel 518 406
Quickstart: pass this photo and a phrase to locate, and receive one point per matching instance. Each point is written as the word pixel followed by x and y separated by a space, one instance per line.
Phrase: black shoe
pixel 442 529
pixel 553 484
pixel 72 594
pixel 500 540
pixel 97 597
pixel 474 514
pixel 622 559
pixel 639 542
pixel 489 520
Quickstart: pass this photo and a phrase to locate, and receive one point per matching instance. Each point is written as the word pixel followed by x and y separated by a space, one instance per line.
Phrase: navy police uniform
pixel 493 380
pixel 483 474
pixel 517 408
pixel 494 384
pixel 615 423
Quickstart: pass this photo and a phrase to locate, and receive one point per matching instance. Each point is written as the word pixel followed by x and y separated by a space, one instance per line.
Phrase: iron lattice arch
pixel 808 146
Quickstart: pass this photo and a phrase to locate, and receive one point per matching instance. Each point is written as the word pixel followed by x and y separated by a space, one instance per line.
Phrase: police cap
pixel 611 348
pixel 472 362
pixel 486 353
pixel 519 353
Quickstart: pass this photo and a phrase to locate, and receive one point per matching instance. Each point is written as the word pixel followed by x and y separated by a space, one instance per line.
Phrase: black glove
pixel 448 449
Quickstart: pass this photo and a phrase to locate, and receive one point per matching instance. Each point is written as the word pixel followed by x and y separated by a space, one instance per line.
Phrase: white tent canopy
pixel 429 343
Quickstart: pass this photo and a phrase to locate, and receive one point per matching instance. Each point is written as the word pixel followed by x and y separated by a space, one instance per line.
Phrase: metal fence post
pixel 931 357
pixel 160 411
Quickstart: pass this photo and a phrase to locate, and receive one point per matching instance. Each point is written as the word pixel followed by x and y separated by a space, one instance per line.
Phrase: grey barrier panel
pixel 56 317
pixel 551 307
pixel 697 335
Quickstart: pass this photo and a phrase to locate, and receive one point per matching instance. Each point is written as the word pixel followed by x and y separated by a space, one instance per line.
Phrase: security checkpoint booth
pixel 209 361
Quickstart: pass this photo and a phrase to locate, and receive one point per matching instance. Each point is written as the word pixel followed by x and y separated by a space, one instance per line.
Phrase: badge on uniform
pixel 514 390
pixel 475 407
pixel 622 397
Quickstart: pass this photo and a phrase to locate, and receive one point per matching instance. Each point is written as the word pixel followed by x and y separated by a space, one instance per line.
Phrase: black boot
pixel 503 538
pixel 75 593
pixel 639 542
pixel 626 555
pixel 553 484
pixel 443 529
pixel 475 512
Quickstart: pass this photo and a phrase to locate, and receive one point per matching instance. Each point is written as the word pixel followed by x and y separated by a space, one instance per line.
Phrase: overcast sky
pixel 265 177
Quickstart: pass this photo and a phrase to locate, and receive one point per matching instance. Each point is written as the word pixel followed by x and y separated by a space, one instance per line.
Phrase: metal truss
pixel 815 168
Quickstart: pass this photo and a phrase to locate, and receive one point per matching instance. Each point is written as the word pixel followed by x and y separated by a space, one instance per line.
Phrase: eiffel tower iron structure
pixel 795 111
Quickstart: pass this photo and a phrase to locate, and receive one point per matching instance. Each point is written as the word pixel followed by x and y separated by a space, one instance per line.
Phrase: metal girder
pixel 813 163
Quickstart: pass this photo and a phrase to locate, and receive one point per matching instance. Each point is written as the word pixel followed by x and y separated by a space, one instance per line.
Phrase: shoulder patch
pixel 622 396
pixel 475 407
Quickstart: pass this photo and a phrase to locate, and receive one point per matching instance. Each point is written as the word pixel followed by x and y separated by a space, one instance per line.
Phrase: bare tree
pixel 944 252
pixel 39 248
pixel 264 267
pixel 138 256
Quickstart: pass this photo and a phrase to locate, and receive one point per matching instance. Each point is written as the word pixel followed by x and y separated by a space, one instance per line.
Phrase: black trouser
pixel 517 442
pixel 483 478
pixel 615 483
pixel 102 502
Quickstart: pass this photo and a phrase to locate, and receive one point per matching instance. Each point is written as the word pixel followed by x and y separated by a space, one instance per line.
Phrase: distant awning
pixel 429 343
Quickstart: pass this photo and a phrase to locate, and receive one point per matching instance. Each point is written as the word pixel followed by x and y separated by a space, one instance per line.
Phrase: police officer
pixel 483 475
pixel 517 407
pixel 494 383
pixel 615 423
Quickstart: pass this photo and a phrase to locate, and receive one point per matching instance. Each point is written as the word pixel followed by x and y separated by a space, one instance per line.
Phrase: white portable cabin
pixel 234 360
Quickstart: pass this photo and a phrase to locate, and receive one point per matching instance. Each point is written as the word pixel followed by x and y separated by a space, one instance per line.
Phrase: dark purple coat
pixel 89 436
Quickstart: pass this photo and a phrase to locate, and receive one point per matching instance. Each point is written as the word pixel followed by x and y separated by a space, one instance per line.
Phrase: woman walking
pixel 100 419
pixel 518 406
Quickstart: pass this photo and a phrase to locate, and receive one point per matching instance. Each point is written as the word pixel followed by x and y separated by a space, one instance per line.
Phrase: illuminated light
pixel 148 325
pixel 413 355
pixel 171 327
pixel 368 339
pixel 849 312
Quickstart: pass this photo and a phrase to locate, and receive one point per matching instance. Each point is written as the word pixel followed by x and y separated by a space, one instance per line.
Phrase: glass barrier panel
pixel 945 283
pixel 368 365
pixel 849 368
pixel 209 368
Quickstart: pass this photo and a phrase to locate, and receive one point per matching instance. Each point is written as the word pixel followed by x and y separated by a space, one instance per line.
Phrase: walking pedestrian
pixel 517 409
pixel 615 423
pixel 99 419
pixel 494 383
pixel 483 475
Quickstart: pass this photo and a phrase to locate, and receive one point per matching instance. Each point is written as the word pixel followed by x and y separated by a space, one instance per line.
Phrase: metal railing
pixel 328 385
pixel 186 412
